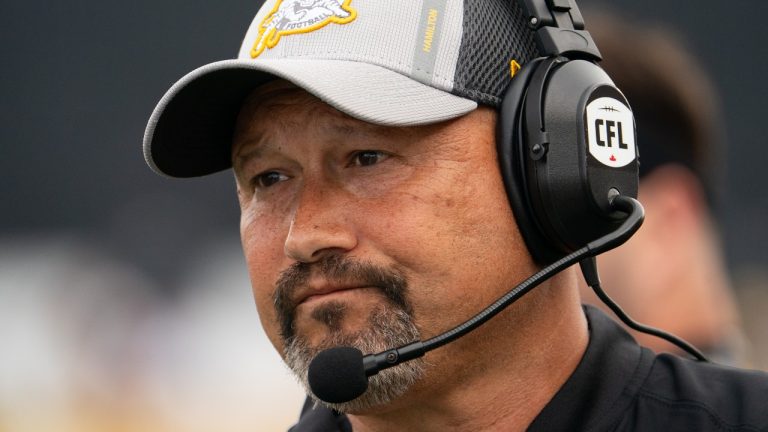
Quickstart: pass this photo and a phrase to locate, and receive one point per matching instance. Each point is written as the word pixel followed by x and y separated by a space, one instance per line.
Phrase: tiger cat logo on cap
pixel 300 16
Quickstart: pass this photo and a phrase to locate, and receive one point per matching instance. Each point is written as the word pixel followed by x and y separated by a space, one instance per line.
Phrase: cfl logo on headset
pixel 610 131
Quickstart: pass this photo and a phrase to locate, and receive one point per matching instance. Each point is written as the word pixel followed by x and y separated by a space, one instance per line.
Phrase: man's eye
pixel 268 179
pixel 368 157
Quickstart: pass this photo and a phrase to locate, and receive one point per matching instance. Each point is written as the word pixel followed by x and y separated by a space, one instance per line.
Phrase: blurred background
pixel 124 300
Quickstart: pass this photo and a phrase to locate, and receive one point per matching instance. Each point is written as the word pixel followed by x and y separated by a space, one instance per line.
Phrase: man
pixel 374 214
pixel 671 273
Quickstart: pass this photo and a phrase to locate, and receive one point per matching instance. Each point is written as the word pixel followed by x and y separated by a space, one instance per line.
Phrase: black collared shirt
pixel 620 386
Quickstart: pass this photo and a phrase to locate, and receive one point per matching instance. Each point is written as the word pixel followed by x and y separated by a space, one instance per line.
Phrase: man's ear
pixel 674 197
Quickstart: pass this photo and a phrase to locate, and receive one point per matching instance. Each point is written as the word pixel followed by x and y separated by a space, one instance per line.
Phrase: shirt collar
pixel 604 383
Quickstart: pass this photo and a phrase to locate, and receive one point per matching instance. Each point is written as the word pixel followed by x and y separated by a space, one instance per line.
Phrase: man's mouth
pixel 336 292
pixel 336 284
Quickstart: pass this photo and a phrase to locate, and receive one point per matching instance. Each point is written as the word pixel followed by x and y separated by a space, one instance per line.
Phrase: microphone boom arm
pixel 373 363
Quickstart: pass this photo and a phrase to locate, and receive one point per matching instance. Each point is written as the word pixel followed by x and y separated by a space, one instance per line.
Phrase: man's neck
pixel 499 377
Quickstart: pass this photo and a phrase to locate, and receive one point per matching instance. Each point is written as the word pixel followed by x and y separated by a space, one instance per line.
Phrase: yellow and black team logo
pixel 300 16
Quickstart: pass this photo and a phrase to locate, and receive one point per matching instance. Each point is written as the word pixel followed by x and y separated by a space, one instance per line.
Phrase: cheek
pixel 460 243
pixel 465 218
pixel 262 240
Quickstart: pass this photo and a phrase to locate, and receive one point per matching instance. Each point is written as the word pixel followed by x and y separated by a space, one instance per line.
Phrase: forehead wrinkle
pixel 345 126
pixel 287 111
pixel 287 119
pixel 282 109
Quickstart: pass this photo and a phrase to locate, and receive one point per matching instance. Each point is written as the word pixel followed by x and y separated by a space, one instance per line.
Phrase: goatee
pixel 388 325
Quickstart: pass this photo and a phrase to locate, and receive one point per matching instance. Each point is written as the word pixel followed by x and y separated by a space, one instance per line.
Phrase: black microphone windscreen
pixel 337 375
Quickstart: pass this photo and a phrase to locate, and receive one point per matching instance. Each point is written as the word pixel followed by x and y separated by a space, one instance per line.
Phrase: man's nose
pixel 319 226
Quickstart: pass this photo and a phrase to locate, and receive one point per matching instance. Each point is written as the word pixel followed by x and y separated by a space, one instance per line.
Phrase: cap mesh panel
pixel 495 33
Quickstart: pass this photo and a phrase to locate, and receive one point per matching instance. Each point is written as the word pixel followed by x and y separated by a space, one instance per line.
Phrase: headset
pixel 566 138
pixel 566 141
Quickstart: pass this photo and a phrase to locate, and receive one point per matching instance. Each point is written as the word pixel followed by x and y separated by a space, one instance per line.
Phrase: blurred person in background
pixel 671 274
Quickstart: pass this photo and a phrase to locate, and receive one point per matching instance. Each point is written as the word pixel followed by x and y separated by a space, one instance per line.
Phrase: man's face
pixel 350 227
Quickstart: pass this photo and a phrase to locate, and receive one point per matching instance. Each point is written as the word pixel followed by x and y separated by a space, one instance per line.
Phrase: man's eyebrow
pixel 248 149
pixel 346 129
pixel 253 147
pixel 243 157
pixel 354 129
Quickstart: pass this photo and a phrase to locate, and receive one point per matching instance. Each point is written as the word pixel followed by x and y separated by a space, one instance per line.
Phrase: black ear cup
pixel 566 142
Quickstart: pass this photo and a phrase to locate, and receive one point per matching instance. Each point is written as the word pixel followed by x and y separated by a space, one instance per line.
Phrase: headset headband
pixel 559 29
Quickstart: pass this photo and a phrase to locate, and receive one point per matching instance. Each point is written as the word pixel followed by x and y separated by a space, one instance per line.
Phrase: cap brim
pixel 190 131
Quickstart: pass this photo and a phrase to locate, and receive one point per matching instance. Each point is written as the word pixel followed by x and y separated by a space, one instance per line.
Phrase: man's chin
pixel 386 327
pixel 329 324
pixel 338 315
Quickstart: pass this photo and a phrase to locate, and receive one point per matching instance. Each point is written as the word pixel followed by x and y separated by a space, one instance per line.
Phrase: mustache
pixel 335 267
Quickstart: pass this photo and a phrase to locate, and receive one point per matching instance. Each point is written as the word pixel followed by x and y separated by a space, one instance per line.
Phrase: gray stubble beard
pixel 388 326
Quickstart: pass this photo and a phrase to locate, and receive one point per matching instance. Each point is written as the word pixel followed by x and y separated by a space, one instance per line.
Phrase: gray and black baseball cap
pixel 393 62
